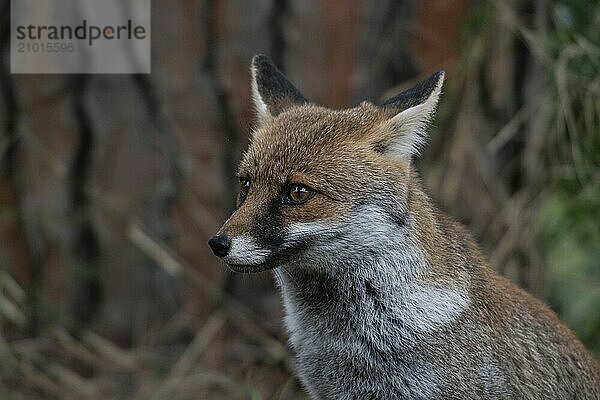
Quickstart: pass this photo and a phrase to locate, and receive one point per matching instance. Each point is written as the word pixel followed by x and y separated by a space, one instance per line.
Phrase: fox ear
pixel 272 92
pixel 409 113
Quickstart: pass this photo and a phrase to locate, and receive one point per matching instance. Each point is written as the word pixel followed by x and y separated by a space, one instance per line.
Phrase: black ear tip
pixel 415 95
pixel 272 86
pixel 437 77
pixel 260 61
pixel 434 79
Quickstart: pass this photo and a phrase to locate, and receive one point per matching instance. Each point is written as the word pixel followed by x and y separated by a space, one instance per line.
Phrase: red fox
pixel 385 296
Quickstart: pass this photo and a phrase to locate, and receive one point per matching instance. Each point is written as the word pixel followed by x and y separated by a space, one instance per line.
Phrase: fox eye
pixel 298 194
pixel 244 187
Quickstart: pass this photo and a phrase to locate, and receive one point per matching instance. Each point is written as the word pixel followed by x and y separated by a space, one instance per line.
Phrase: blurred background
pixel 111 185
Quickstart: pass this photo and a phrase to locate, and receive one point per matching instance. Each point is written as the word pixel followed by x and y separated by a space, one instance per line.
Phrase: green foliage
pixel 562 183
pixel 569 219
pixel 569 236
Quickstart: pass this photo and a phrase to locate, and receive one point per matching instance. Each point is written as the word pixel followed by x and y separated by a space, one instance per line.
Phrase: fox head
pixel 319 186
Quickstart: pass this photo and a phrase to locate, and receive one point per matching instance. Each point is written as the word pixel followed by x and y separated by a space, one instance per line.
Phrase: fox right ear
pixel 272 92
pixel 409 113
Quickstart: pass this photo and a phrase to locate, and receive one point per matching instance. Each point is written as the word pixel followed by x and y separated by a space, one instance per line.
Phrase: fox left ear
pixel 272 92
pixel 409 113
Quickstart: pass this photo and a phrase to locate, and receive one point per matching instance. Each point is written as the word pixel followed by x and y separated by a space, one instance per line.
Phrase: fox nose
pixel 220 245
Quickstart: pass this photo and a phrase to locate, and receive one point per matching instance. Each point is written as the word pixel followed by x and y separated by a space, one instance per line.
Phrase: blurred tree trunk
pixel 390 62
pixel 23 233
pixel 140 294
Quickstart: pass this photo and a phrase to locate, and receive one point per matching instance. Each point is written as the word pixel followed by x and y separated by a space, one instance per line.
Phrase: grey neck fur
pixel 361 307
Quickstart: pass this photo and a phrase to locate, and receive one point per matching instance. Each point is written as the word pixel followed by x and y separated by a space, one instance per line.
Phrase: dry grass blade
pixel 113 354
pixel 184 364
pixel 531 38
pixel 75 348
pixel 11 293
pixel 190 386
pixel 201 340
pixel 40 381
pixel 154 249
pixel 74 382
pixel 507 132
pixel 11 312
pixel 12 287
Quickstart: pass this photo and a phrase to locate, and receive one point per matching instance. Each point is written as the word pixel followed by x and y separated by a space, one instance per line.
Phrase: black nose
pixel 220 245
